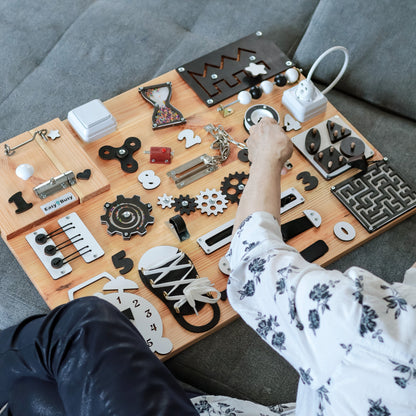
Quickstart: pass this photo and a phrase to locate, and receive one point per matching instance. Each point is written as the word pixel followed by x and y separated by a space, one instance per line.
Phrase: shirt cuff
pixel 257 232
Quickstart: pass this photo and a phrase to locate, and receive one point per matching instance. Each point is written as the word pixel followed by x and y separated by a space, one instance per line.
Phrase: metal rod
pixel 11 150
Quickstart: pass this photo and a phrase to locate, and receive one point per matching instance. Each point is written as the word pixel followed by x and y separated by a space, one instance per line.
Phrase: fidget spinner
pixel 127 216
pixel 184 204
pixel 164 113
pixel 123 153
pixel 233 185
pixel 211 202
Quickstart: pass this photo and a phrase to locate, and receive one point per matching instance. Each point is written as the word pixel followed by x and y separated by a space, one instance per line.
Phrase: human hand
pixel 268 143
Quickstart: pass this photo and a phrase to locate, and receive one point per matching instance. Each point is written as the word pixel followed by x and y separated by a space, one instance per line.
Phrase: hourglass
pixel 164 114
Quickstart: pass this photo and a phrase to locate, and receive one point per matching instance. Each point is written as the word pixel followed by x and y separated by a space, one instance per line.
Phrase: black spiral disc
pixel 127 216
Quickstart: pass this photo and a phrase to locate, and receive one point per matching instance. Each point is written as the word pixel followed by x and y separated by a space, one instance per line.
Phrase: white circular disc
pixel 344 231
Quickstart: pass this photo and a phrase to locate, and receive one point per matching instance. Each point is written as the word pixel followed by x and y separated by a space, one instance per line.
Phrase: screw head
pixel 258 33
pixel 184 203
pixel 122 151
pixel 181 69
pixel 214 76
pixel 240 187
pixel 289 63
pixel 210 101
pixel 252 58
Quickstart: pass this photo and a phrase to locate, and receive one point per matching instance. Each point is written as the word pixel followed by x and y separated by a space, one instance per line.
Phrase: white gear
pixel 211 201
pixel 165 201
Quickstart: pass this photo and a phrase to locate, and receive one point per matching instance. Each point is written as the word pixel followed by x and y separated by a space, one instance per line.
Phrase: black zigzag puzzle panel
pixel 221 74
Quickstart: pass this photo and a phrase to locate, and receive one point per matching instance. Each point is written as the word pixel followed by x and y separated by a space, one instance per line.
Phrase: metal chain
pixel 221 143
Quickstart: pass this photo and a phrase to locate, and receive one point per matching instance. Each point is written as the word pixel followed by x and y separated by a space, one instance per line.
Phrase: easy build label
pixel 58 203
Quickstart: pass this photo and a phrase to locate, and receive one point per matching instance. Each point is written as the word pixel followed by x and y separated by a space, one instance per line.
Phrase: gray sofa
pixel 55 56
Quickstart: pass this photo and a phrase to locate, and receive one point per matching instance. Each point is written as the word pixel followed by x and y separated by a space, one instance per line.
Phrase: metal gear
pixel 211 201
pixel 235 182
pixel 165 201
pixel 184 204
pixel 127 216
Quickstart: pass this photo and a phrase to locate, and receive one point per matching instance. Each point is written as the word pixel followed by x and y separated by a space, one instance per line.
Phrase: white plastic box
pixel 92 121
pixel 304 110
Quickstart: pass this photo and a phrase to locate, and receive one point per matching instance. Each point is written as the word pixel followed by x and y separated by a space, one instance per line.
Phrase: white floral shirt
pixel 351 336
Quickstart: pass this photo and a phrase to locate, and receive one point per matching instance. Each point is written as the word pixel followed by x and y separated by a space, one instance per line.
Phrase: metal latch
pixel 55 185
pixel 191 171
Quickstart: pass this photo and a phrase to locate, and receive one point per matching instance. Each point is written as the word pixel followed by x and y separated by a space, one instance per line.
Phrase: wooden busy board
pixel 133 117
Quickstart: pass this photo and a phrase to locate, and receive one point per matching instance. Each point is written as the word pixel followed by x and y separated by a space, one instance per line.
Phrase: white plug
pixel 305 101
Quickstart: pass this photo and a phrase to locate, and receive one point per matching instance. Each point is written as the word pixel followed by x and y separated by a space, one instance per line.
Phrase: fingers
pixel 264 121
pixel 268 140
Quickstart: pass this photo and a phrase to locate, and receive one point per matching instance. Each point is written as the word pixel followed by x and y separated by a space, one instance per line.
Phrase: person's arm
pixel 269 148
pixel 289 302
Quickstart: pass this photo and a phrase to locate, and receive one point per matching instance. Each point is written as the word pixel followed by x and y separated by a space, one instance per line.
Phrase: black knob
pixel 256 92
pixel 280 80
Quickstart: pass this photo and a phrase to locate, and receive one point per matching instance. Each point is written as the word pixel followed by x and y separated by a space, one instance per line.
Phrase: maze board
pixel 376 197
pixel 220 74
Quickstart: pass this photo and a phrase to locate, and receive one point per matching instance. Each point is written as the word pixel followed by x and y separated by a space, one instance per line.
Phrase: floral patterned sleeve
pixel 290 303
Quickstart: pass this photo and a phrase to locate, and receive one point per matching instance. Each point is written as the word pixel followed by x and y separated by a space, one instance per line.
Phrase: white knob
pixel 25 171
pixel 266 87
pixel 244 97
pixel 292 75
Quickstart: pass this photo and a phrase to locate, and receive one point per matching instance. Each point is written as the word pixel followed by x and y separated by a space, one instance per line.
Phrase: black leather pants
pixel 84 358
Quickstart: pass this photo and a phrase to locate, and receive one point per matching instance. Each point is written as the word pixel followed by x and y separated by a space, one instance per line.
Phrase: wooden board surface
pixel 67 155
pixel 133 116
pixel 48 159
pixel 11 224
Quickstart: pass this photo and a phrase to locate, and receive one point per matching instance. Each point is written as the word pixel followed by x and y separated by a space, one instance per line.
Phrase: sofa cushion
pixel 224 22
pixel 380 38
pixel 28 31
pixel 236 362
pixel 68 55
